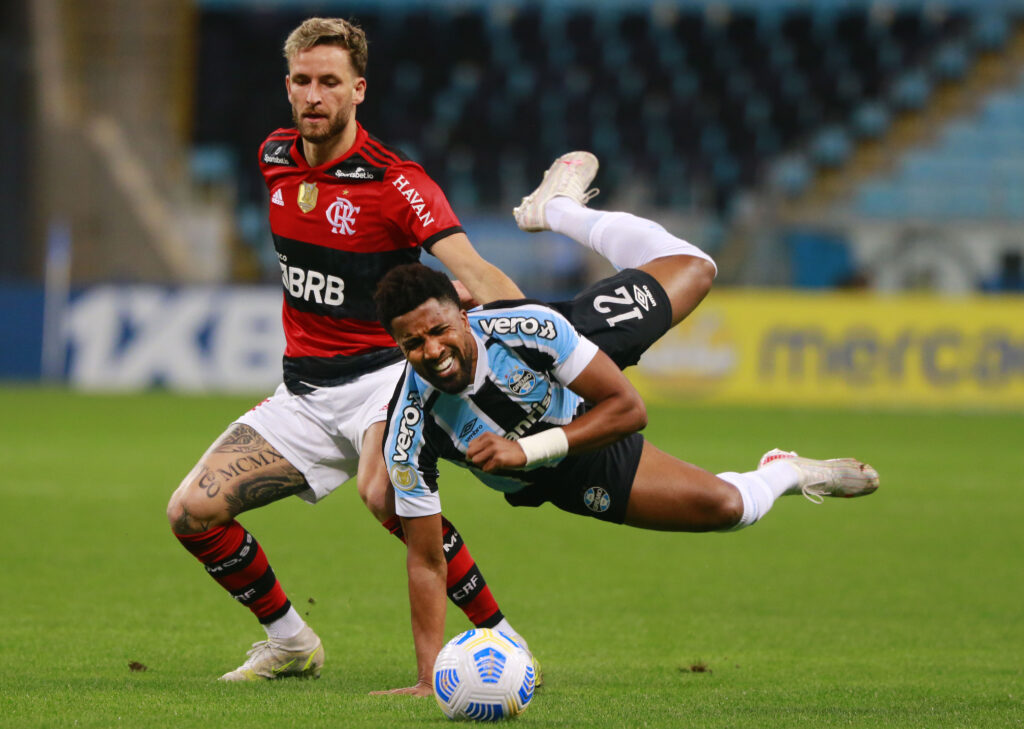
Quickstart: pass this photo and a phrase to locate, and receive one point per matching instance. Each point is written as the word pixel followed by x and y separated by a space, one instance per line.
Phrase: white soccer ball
pixel 483 675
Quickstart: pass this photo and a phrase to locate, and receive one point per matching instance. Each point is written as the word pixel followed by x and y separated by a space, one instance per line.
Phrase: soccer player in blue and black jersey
pixel 531 399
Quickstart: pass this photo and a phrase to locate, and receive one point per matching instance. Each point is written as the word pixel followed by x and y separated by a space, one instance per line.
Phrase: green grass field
pixel 904 609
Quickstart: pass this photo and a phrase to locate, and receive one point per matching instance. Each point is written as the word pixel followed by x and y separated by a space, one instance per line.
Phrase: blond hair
pixel 333 32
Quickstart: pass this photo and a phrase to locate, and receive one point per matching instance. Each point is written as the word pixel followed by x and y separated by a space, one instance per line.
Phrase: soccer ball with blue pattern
pixel 483 675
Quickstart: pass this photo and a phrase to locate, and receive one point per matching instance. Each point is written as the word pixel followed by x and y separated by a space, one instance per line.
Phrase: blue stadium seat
pixel 880 200
pixel 831 147
pixel 791 175
pixel 871 120
pixel 951 61
pixel 1004 111
pixel 990 31
pixel 911 90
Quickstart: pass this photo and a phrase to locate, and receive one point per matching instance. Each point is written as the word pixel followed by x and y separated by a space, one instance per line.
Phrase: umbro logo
pixel 277 198
pixel 467 429
pixel 644 297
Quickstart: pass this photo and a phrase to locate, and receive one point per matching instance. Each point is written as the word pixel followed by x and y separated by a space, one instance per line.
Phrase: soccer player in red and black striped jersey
pixel 345 209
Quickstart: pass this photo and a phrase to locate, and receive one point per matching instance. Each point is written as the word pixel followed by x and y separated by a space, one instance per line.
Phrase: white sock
pixel 568 217
pixel 506 627
pixel 285 627
pixel 782 477
pixel 759 489
pixel 626 240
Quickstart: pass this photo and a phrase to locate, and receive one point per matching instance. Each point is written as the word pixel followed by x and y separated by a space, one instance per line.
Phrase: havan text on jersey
pixel 416 201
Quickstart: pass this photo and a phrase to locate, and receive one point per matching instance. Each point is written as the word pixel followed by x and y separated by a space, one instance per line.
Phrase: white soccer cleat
pixel 301 655
pixel 845 477
pixel 569 176
pixel 773 455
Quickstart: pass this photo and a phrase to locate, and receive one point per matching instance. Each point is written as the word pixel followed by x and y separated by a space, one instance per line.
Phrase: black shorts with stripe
pixel 623 314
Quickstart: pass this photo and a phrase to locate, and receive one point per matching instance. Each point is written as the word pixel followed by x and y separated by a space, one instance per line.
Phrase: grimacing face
pixel 436 340
pixel 323 90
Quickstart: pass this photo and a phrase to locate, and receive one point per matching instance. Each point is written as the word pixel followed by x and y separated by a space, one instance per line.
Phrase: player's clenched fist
pixel 491 452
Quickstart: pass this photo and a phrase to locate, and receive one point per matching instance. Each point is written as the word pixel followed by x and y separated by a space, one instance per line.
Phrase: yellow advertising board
pixel 857 349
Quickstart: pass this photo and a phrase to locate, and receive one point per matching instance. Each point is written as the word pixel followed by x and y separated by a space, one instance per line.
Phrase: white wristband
pixel 544 446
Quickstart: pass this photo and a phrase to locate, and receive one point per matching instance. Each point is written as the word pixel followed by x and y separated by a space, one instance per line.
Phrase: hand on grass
pixel 420 689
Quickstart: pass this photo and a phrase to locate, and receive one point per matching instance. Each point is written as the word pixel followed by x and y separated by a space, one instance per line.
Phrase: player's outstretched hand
pixel 420 689
pixel 490 452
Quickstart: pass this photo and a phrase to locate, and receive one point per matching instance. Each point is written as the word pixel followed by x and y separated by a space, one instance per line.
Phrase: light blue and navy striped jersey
pixel 527 354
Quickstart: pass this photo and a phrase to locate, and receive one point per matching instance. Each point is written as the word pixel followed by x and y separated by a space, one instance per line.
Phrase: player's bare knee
pixel 700 275
pixel 192 508
pixel 175 505
pixel 686 280
pixel 729 507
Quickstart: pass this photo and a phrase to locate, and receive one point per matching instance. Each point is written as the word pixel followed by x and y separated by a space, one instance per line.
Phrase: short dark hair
pixel 405 287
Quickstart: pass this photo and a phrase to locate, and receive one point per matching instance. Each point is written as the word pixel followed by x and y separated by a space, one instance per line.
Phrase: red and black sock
pixel 234 558
pixel 466 585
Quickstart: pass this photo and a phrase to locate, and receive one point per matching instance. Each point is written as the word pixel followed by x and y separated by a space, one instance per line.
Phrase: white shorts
pixel 321 433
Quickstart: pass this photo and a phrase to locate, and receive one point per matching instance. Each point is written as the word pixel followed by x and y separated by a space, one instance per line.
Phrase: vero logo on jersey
pixel 411 416
pixel 518 325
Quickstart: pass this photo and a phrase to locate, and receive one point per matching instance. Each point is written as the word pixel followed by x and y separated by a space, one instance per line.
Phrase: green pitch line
pixel 903 609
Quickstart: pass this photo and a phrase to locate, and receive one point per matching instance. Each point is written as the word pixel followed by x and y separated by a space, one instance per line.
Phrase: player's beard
pixel 465 361
pixel 335 126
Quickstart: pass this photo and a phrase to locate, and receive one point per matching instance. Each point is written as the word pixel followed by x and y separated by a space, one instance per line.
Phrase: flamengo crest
pixel 341 214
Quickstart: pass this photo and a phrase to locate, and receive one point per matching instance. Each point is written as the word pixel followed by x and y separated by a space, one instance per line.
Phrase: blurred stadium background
pixel 857 169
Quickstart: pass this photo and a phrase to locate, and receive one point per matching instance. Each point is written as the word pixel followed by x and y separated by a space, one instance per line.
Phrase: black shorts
pixel 623 314
pixel 595 484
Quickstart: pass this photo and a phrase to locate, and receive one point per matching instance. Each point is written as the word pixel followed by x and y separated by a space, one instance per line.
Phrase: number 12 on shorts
pixel 603 304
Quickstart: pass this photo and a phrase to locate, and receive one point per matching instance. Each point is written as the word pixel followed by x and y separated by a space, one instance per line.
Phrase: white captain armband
pixel 544 446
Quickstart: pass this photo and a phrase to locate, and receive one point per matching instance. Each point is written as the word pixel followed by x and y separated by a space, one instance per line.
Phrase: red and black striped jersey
pixel 338 228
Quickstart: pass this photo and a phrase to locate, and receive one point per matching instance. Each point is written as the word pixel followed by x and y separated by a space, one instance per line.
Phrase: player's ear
pixel 359 90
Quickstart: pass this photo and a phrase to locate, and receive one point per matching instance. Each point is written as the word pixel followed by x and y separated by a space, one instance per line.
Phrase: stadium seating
pixel 700 102
pixel 974 170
